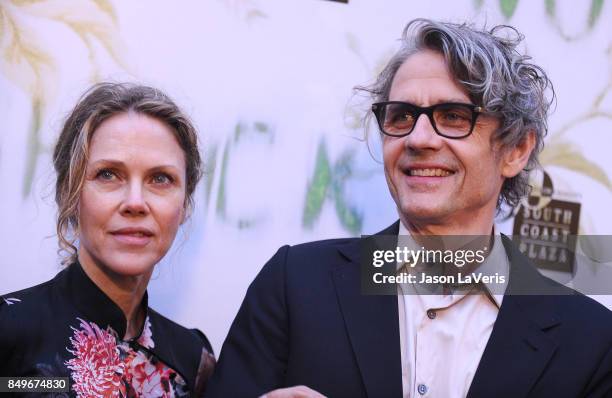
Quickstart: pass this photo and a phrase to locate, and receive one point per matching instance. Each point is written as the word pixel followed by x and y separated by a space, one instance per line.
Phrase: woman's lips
pixel 132 239
pixel 133 236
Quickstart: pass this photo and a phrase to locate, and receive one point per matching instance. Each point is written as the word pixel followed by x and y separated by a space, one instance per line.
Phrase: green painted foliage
pixel 264 129
pixel 241 130
pixel 328 183
pixel 349 217
pixel 508 7
pixel 595 12
pixel 221 194
pixel 238 131
pixel 245 224
pixel 261 127
pixel 551 7
pixel 317 187
pixel 210 160
pixel 34 147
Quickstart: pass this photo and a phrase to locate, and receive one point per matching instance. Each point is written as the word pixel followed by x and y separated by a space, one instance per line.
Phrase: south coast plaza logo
pixel 546 225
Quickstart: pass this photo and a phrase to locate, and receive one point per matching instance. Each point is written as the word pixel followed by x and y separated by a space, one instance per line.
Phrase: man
pixel 462 115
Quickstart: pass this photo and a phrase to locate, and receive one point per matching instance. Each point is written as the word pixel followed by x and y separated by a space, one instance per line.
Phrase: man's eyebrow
pixel 455 100
pixel 452 100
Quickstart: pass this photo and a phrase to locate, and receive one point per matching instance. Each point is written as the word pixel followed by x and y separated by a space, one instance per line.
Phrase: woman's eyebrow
pixel 165 167
pixel 109 162
pixel 121 165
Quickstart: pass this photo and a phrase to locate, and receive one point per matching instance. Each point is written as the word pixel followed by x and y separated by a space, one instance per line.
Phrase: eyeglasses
pixel 450 120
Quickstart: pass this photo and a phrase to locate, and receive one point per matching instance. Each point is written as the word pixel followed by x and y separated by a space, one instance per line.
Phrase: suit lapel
pixel 517 351
pixel 519 348
pixel 516 354
pixel 372 326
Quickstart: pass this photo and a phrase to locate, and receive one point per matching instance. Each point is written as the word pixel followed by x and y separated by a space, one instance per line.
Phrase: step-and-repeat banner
pixel 269 84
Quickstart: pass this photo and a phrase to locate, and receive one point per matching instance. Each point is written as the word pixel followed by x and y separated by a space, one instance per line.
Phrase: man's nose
pixel 423 136
pixel 134 203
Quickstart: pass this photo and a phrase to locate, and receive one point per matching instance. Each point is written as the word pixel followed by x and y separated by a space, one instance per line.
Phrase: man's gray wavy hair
pixel 495 75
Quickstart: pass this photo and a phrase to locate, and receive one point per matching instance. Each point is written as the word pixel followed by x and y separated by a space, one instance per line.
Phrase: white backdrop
pixel 269 84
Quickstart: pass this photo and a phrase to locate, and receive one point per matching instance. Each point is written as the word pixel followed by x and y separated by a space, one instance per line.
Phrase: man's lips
pixel 133 236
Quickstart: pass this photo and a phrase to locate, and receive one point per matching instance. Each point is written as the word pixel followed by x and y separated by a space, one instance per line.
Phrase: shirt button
pixel 422 389
pixel 431 314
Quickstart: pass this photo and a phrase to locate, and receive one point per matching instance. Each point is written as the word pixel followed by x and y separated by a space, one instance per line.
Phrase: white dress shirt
pixel 443 337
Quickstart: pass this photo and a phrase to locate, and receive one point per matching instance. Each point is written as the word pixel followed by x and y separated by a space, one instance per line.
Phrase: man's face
pixel 436 180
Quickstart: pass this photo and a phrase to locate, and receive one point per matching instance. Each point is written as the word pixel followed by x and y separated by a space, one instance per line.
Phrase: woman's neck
pixel 126 291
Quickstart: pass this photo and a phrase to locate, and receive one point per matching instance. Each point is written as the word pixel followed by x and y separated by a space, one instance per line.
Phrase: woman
pixel 127 164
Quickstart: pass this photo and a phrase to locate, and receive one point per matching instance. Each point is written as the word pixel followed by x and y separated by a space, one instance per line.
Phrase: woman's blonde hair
pixel 70 155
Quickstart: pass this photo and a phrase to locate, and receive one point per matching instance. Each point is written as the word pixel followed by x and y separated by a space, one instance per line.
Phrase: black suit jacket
pixel 304 321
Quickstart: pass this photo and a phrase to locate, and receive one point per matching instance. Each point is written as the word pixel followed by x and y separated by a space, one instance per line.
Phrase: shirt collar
pixel 496 262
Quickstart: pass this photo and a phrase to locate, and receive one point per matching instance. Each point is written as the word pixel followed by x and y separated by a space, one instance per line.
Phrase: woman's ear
pixel 185 213
pixel 516 158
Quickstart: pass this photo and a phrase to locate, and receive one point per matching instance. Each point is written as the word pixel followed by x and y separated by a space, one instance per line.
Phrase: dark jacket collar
pixel 92 302
pixel 176 347
pixel 521 345
pixel 352 249
pixel 371 323
pixel 529 310
pixel 392 229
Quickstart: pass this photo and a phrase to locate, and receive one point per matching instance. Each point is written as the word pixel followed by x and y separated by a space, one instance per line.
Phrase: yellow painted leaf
pixel 108 8
pixel 28 61
pixel 105 34
pixel 254 14
pixel 566 155
pixel 24 61
pixel 89 19
pixel 26 2
pixel 247 9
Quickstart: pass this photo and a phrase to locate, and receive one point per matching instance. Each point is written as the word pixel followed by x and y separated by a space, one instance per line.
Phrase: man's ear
pixel 515 159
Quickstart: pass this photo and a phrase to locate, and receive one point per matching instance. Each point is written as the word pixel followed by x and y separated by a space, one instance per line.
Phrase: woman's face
pixel 133 196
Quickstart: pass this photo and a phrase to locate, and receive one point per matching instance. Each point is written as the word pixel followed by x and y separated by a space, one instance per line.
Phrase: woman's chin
pixel 130 264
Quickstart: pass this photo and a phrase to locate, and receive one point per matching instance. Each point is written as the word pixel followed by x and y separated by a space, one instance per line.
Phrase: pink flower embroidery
pixel 105 367
pixel 149 378
pixel 97 368
pixel 146 338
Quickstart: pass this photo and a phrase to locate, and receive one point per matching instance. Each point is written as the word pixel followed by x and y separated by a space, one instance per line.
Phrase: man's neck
pixel 476 225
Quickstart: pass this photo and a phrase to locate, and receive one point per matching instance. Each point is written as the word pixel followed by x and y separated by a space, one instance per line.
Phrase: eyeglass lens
pixel 449 119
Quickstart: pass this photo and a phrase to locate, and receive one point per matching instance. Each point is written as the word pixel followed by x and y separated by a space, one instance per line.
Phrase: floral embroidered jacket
pixel 67 327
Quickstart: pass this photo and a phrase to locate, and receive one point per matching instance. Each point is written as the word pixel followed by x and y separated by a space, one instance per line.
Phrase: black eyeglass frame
pixel 378 108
